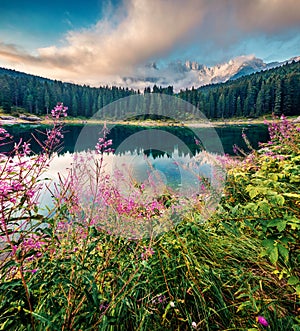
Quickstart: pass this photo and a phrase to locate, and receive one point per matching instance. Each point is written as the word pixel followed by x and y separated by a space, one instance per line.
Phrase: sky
pixel 96 42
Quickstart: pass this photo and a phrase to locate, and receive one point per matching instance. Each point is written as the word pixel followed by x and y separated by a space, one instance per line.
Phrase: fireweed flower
pixel 103 146
pixel 148 253
pixel 235 149
pixel 26 148
pixel 4 135
pixel 3 131
pixel 59 110
pixel 262 321
pixel 161 299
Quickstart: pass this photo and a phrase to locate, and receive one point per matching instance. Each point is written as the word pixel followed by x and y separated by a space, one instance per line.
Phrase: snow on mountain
pixel 187 74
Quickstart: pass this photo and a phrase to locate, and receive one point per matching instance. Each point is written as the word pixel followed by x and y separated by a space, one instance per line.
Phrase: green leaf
pixel 296 327
pixel 252 190
pixel 293 280
pixel 251 206
pixel 284 252
pixel 273 255
pixel 268 243
pixel 294 223
pixel 265 207
pixel 41 318
pixel 281 226
pixel 243 305
pixel 274 177
pixel 279 199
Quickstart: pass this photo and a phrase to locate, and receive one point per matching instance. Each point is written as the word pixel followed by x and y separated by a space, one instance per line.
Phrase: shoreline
pixel 135 123
pixel 146 123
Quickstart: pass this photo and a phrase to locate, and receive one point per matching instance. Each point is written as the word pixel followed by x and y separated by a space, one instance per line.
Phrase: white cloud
pixel 141 30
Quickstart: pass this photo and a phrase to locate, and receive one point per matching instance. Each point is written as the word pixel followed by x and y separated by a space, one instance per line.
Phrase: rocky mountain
pixel 182 75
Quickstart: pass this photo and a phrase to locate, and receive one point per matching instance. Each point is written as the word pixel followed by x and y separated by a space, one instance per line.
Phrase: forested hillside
pixel 38 95
pixel 274 91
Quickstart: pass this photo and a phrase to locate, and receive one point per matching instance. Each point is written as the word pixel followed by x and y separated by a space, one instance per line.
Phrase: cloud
pixel 270 16
pixel 141 30
pixel 227 23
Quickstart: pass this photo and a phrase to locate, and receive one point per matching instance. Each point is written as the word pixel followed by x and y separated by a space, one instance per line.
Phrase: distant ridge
pixel 190 74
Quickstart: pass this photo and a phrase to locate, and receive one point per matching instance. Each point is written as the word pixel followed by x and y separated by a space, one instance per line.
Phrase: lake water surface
pixel 169 154
pixel 229 135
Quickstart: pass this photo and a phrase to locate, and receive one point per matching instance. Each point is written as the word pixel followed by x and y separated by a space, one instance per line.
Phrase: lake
pixel 168 156
pixel 228 135
pixel 169 150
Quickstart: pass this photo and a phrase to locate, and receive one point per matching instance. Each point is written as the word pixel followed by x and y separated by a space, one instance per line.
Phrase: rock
pixel 297 120
pixel 7 118
pixel 31 118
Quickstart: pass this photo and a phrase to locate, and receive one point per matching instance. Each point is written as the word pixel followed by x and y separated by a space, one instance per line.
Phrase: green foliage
pixel 265 198
pixel 208 273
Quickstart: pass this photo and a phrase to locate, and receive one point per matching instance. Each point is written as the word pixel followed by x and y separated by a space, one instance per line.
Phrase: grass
pixel 211 272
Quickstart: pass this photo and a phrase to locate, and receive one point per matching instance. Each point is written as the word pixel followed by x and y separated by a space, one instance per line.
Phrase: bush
pixel 263 200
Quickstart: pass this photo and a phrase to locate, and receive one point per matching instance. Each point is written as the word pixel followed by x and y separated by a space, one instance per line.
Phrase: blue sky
pixel 95 42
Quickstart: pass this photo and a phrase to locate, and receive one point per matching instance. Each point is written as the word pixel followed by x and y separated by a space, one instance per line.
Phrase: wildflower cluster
pixel 20 187
pixel 103 146
pixel 284 137
pixel 148 252
pixel 59 111
pixel 55 135
pixel 239 151
pixel 3 134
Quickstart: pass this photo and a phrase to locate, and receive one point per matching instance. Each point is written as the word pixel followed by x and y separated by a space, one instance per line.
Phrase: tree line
pixel 37 95
pixel 273 91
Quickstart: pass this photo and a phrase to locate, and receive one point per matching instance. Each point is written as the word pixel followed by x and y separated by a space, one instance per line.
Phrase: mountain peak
pixel 187 74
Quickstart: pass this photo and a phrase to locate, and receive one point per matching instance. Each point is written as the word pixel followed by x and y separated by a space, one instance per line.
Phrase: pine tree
pixel 239 112
pixel 74 105
pixel 278 99
pixel 287 96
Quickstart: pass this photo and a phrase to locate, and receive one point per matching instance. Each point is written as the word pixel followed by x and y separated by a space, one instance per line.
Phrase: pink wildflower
pixel 59 110
pixel 148 252
pixel 261 320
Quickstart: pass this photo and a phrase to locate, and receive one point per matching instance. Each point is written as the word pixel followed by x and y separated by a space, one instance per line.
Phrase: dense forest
pixel 273 91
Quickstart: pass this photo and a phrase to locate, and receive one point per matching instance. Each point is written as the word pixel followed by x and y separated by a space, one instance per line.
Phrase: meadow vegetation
pixel 236 270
